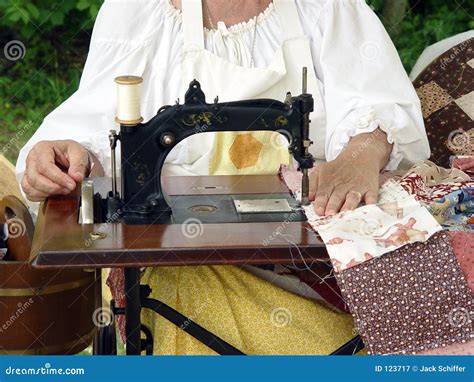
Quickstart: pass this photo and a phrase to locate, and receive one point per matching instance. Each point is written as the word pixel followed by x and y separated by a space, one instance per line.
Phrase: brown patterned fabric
pixel 433 97
pixel 446 92
pixel 411 300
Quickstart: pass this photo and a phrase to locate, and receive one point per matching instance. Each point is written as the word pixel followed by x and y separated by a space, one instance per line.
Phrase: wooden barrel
pixel 41 311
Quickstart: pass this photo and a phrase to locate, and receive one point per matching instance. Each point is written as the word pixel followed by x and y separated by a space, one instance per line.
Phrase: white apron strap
pixel 192 24
pixel 289 18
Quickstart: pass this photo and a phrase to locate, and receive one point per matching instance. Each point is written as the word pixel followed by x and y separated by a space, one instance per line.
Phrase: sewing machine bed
pixel 61 241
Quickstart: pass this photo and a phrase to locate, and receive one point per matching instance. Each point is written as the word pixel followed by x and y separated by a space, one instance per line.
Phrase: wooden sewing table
pixel 61 242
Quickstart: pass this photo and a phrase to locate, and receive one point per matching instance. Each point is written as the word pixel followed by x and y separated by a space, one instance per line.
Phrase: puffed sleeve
pixel 119 45
pixel 366 86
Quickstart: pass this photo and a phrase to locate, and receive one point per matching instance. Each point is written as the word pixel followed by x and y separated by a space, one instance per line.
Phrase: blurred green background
pixel 56 35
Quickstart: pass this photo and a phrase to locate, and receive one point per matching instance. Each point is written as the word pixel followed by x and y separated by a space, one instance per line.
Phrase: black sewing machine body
pixel 145 146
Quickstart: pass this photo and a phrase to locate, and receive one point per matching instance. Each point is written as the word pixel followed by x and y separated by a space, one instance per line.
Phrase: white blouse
pixel 364 85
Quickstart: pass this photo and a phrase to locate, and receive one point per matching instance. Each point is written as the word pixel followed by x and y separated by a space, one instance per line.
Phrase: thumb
pixel 78 162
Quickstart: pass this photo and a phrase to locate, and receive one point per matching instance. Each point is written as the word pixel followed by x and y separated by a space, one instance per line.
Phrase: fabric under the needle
pixel 353 237
pixel 418 298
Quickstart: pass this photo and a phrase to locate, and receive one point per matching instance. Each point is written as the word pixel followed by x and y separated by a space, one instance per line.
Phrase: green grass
pixel 27 102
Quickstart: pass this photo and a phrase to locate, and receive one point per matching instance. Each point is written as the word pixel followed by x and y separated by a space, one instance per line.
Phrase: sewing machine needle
pixel 305 188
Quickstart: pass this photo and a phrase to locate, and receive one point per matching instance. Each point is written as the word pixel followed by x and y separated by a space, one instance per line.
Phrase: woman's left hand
pixel 353 177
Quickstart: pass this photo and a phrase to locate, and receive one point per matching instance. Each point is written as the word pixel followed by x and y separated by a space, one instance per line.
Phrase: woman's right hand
pixel 55 168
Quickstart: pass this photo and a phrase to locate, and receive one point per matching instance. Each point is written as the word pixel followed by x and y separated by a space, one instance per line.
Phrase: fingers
pixel 340 199
pixel 335 202
pixel 46 166
pixel 78 162
pixel 353 199
pixel 44 185
pixel 371 197
pixel 341 185
pixel 32 194
pixel 43 177
pixel 322 197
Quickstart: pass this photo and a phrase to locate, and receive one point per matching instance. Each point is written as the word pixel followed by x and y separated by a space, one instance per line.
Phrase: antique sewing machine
pixel 142 220
pixel 145 146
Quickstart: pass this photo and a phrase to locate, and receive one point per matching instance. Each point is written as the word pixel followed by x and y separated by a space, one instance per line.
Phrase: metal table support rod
pixel 201 334
pixel 351 347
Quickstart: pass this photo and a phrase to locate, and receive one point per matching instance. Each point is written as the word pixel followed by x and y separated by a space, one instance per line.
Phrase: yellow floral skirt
pixel 249 313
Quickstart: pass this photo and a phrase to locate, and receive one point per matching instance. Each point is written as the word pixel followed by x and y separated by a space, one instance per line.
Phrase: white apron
pixel 245 152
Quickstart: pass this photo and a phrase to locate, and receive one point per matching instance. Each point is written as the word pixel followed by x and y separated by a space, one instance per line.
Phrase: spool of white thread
pixel 128 100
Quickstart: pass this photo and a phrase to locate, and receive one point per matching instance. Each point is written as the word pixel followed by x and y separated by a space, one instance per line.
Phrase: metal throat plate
pixel 236 208
pixel 253 206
